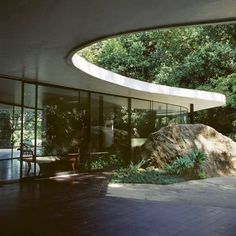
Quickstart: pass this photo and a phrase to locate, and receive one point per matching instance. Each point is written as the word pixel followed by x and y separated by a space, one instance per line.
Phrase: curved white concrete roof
pixel 37 36
pixel 125 86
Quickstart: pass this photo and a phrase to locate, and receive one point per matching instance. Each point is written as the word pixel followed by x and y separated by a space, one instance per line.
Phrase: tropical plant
pixel 180 166
pixel 198 157
pixel 132 174
pixel 190 165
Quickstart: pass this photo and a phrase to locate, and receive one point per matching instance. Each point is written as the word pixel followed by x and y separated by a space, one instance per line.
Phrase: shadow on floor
pixel 78 205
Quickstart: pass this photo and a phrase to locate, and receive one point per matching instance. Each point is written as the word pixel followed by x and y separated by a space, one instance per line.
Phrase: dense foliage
pixel 134 174
pixel 190 165
pixel 198 57
pixel 183 168
pixel 106 162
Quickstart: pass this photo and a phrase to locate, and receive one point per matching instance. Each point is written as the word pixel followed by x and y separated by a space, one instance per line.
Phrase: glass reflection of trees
pixel 62 123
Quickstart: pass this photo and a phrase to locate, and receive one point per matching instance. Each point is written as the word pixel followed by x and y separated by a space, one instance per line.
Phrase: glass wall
pixel 84 133
pixel 173 114
pixel 10 128
pixel 183 115
pixel 160 114
pixel 29 120
pixel 61 129
pixel 109 131
pixel 141 121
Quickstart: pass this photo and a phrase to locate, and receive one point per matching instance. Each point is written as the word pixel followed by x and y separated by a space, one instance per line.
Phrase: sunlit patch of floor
pixel 219 191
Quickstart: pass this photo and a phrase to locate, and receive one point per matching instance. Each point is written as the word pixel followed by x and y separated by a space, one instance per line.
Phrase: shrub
pixel 133 174
pixel 198 157
pixel 189 165
pixel 143 177
pixel 134 167
pixel 180 165
pixel 106 161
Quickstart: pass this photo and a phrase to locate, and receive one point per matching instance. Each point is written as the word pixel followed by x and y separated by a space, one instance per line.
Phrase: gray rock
pixel 164 146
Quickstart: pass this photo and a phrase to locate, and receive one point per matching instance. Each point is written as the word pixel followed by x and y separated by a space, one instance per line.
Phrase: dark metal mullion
pixel 13 125
pixel 191 114
pixel 35 128
pixel 101 122
pixel 22 130
pixel 89 131
pixel 180 115
pixel 129 130
pixel 79 120
pixel 152 117
pixel 167 114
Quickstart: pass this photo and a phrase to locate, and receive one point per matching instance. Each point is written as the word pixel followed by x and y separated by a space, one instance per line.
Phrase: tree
pixel 197 57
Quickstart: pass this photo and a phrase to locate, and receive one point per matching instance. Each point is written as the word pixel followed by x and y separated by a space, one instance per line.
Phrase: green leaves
pixel 180 165
pixel 189 165
pixel 187 56
pixel 197 57
pixel 147 176
pixel 227 86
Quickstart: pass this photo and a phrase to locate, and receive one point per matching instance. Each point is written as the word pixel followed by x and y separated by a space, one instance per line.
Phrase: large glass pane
pixel 109 131
pixel 160 111
pixel 96 137
pixel 115 131
pixel 16 131
pixel 141 121
pixel 183 115
pixel 10 115
pixel 59 129
pixel 173 114
pixel 84 131
pixel 28 142
pixel 6 124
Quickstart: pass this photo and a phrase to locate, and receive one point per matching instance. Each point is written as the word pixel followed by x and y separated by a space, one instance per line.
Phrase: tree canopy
pixel 198 57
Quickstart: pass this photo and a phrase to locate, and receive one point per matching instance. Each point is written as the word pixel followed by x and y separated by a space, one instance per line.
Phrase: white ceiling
pixel 37 36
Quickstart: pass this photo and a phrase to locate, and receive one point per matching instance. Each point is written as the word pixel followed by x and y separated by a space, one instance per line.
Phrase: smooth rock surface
pixel 165 145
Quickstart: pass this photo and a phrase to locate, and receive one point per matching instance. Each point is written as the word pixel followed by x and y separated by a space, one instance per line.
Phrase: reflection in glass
pixel 59 120
pixel 183 115
pixel 140 118
pixel 109 129
pixel 95 128
pixel 173 114
pixel 6 128
pixel 160 110
pixel 10 116
pixel 115 115
pixel 141 121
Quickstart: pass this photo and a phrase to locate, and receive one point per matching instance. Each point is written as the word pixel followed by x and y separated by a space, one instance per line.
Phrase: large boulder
pixel 165 145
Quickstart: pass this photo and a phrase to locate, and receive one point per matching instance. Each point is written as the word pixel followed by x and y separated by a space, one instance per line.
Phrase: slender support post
pixel 89 133
pixel 129 132
pixel 191 114
pixel 101 123
pixel 35 128
pixel 22 129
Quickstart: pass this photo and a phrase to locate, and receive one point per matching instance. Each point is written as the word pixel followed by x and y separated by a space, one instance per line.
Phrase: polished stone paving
pixel 10 169
pixel 81 205
pixel 215 192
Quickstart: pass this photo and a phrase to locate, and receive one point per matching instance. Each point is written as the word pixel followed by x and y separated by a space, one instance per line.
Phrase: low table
pixel 44 161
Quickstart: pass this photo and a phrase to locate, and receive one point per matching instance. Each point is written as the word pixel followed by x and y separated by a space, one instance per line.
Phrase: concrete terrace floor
pixel 87 205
